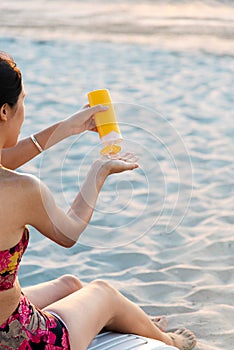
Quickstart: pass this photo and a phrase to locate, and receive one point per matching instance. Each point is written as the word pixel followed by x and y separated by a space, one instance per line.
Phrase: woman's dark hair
pixel 10 80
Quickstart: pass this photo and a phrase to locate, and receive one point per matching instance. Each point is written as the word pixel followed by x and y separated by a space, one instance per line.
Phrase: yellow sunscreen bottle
pixel 106 122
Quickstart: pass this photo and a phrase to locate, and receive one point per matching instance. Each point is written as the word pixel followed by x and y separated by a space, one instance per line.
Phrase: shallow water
pixel 163 233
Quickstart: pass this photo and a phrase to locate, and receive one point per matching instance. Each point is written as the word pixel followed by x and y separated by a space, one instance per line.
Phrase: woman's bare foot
pixel 160 321
pixel 183 339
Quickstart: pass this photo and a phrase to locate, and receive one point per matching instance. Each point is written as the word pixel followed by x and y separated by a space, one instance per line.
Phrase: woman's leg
pixel 99 305
pixel 49 292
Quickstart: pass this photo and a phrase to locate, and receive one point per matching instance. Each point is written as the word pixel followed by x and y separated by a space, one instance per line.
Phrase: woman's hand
pixel 118 163
pixel 84 119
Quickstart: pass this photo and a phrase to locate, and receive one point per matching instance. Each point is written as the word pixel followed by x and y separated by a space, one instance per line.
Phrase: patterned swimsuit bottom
pixel 29 328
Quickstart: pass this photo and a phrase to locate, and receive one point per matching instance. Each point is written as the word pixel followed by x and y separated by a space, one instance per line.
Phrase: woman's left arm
pixel 25 150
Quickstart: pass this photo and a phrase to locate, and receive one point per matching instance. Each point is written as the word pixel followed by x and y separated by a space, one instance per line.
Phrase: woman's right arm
pixel 25 149
pixel 42 212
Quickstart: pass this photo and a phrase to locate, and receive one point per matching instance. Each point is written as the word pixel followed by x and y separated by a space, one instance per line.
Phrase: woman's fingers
pixel 118 163
pixel 128 157
pixel 97 108
pixel 84 119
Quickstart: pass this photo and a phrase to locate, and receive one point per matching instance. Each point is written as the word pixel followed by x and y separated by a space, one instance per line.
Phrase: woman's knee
pixel 104 287
pixel 70 282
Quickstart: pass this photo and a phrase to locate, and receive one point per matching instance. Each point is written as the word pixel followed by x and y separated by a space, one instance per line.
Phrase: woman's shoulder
pixel 18 180
pixel 18 193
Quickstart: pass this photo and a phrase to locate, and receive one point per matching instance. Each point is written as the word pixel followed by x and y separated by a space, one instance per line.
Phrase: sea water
pixel 163 233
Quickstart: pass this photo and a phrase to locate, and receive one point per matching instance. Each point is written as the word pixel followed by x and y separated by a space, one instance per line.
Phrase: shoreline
pixel 179 27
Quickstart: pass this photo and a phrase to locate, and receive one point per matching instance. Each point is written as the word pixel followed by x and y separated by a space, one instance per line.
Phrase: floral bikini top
pixel 9 262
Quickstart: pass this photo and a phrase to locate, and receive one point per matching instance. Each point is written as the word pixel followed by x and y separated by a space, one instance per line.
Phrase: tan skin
pixel 97 305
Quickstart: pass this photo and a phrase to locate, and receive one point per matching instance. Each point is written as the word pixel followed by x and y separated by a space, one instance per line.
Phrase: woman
pixel 61 314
